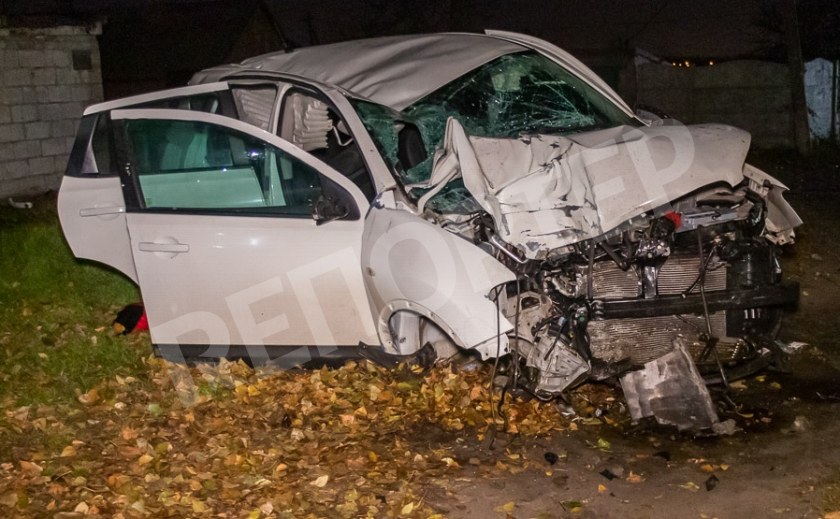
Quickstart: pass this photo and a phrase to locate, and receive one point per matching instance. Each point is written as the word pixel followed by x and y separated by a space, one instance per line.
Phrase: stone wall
pixel 752 95
pixel 47 77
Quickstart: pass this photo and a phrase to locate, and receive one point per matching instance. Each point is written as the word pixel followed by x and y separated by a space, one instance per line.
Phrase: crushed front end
pixel 673 293
pixel 702 278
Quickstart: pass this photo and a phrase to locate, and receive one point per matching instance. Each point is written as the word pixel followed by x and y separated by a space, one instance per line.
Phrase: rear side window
pixel 194 165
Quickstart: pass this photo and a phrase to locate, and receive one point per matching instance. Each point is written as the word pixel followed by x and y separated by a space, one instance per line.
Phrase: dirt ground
pixel 126 445
pixel 784 463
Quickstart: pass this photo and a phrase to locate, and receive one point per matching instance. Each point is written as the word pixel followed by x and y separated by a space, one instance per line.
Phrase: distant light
pixel 711 62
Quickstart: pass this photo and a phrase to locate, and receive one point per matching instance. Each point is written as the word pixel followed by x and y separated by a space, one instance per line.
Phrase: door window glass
pixel 197 165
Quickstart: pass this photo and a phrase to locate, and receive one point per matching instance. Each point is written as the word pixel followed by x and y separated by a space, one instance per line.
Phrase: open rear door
pixel 91 204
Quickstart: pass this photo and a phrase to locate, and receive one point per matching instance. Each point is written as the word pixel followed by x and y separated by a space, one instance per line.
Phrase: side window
pixel 315 127
pixel 95 154
pixel 201 166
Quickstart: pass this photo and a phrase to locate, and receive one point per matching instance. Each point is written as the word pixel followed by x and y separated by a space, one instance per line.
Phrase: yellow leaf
pixel 90 397
pixel 198 507
pixel 634 478
pixel 372 456
pixel 321 482
pixel 68 452
pixel 407 509
pixel 129 451
pixel 145 459
pixel 706 467
pixel 450 462
pixel 128 433
pixel 29 468
pixel 506 508
pixel 601 489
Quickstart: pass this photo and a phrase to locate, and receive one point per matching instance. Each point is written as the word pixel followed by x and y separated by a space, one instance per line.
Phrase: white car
pixel 437 193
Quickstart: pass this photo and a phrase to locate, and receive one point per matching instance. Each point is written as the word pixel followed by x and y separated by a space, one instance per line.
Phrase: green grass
pixel 56 339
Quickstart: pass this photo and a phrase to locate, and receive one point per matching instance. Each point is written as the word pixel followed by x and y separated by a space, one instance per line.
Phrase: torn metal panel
pixel 546 192
pixel 781 218
pixel 671 390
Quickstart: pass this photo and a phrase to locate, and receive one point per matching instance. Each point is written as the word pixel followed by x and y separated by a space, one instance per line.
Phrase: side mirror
pixel 654 116
pixel 327 209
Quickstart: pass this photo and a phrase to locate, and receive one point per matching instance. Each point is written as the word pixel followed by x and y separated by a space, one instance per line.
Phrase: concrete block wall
pixel 752 95
pixel 47 77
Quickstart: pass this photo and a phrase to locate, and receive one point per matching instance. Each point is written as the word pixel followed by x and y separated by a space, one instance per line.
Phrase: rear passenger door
pixel 91 205
pixel 223 239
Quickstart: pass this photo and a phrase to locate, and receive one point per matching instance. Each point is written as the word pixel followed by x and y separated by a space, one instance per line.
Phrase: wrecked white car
pixel 424 195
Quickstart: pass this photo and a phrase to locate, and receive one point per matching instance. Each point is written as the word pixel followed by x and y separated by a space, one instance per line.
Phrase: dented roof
pixel 394 71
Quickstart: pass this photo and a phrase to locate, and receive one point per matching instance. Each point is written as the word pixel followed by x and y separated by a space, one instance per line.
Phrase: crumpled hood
pixel 545 192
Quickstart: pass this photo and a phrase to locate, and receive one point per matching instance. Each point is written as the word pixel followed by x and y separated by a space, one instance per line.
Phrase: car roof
pixel 394 71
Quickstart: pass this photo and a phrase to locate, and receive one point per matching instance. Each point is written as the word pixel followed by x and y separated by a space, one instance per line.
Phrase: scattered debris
pixel 617 470
pixel 800 425
pixel 607 473
pixel 725 428
pixel 665 455
pixel 551 457
pixel 130 319
pixel 20 205
pixel 711 483
pixel 690 485
pixel 671 390
pixel 791 347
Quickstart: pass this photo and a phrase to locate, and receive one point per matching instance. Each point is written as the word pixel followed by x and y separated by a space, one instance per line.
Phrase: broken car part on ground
pixel 439 193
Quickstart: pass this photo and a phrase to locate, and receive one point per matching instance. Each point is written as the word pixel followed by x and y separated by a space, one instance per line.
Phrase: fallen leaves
pixel 321 481
pixel 203 441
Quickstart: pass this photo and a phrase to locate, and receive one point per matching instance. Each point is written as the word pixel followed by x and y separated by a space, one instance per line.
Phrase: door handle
pixel 100 211
pixel 150 246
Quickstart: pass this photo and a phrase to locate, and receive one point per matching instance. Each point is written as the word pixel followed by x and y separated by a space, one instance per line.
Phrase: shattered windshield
pixel 520 93
pixel 523 93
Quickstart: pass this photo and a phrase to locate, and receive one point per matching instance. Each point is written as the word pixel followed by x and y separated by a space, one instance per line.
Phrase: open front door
pixel 227 251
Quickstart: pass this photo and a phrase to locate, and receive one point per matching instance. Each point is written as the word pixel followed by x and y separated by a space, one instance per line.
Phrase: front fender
pixel 412 265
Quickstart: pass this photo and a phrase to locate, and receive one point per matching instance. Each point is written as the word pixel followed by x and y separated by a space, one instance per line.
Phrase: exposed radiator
pixel 679 272
pixel 644 339
pixel 675 276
